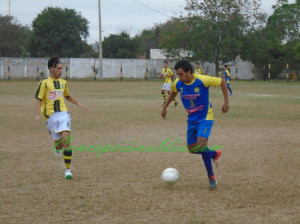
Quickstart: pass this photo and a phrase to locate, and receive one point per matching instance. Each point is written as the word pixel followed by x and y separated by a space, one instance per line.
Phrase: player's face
pixel 56 72
pixel 197 66
pixel 183 76
pixel 165 65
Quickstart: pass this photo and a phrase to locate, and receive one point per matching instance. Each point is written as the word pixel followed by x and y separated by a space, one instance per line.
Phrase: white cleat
pixel 68 174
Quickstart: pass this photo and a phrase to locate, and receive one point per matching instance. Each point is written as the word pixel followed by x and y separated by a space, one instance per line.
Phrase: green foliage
pixel 12 37
pixel 60 32
pixel 297 50
pixel 275 43
pixel 121 46
pixel 149 39
pixel 214 29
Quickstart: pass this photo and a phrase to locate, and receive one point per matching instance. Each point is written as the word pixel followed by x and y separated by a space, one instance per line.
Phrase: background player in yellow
pixel 198 70
pixel 167 74
pixel 194 94
pixel 50 102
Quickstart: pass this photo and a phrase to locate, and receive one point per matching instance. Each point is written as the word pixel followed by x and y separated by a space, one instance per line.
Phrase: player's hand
pixel 163 113
pixel 225 108
pixel 82 106
pixel 36 121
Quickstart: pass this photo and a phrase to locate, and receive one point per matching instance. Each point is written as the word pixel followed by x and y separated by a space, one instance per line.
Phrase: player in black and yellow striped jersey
pixel 198 70
pixel 50 102
pixel 167 74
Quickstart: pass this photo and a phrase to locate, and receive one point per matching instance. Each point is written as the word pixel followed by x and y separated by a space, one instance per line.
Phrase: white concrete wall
pixel 83 68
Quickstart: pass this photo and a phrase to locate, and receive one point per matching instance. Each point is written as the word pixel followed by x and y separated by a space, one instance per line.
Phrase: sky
pixel 131 16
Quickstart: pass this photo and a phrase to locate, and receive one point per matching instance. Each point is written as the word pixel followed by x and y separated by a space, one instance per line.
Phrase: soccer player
pixel 167 74
pixel 50 102
pixel 194 92
pixel 198 70
pixel 227 78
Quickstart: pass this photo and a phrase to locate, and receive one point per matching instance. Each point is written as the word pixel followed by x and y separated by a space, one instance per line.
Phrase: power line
pixel 152 9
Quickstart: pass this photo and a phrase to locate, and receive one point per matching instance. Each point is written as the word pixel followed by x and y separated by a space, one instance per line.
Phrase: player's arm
pixel 76 102
pixel 171 97
pixel 37 112
pixel 224 88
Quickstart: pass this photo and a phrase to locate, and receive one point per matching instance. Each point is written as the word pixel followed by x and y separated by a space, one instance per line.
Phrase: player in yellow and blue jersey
pixel 227 78
pixel 194 92
pixel 50 102
pixel 167 74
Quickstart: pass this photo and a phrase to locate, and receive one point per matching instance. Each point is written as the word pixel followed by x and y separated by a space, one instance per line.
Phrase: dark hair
pixel 225 66
pixel 53 62
pixel 165 62
pixel 197 63
pixel 185 65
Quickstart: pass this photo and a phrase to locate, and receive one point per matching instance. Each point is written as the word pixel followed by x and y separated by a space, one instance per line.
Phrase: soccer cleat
pixel 68 174
pixel 216 160
pixel 212 182
pixel 57 152
pixel 230 94
pixel 175 104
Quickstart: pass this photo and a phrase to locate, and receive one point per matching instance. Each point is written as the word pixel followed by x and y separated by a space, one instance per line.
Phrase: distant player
pixel 198 70
pixel 227 78
pixel 194 92
pixel 50 102
pixel 167 74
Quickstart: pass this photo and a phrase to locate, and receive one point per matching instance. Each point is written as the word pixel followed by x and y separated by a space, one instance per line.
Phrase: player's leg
pixel 52 125
pixel 197 143
pixel 228 86
pixel 67 153
pixel 164 95
pixel 64 129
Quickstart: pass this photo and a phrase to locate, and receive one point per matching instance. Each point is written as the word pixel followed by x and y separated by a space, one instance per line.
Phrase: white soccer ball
pixel 170 175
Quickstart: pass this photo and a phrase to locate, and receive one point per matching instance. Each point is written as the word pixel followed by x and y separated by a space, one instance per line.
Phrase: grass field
pixel 258 174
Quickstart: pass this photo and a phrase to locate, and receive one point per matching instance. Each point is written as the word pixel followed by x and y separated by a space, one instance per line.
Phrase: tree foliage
pixel 297 50
pixel 60 32
pixel 149 39
pixel 13 37
pixel 275 42
pixel 121 46
pixel 214 29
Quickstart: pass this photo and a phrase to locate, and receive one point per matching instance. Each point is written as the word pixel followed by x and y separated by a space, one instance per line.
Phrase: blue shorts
pixel 198 129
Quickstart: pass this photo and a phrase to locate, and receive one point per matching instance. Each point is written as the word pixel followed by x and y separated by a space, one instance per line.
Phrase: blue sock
pixel 213 154
pixel 206 156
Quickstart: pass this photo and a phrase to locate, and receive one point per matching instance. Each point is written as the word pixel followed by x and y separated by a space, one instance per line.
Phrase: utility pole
pixel 9 8
pixel 100 42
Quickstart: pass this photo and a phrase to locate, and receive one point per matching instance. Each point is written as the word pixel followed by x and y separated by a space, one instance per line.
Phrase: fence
pixel 11 68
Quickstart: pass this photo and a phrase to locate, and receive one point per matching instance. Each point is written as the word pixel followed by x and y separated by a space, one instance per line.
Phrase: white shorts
pixel 167 86
pixel 57 123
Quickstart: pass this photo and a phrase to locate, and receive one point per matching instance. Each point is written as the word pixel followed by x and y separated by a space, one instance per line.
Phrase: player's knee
pixel 193 148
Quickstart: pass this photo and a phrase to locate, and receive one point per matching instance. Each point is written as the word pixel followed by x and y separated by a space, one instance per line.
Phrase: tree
pixel 12 37
pixel 297 50
pixel 285 21
pixel 149 39
pixel 60 32
pixel 275 43
pixel 214 29
pixel 121 46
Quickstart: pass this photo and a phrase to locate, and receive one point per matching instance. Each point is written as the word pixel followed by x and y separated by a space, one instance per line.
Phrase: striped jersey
pixel 52 92
pixel 167 71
